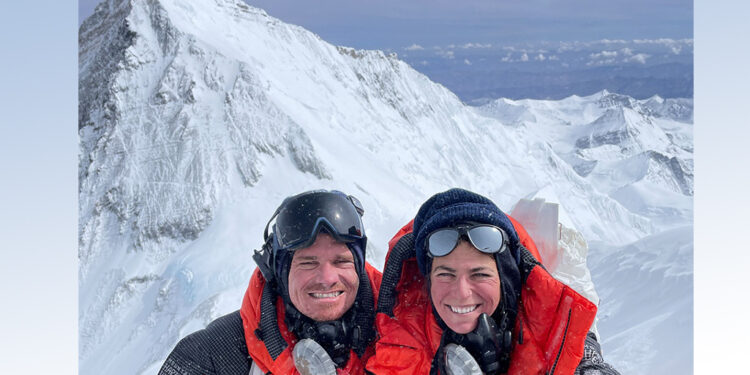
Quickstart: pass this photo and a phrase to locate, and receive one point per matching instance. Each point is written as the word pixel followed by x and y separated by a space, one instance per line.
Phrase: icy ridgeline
pixel 198 117
pixel 640 153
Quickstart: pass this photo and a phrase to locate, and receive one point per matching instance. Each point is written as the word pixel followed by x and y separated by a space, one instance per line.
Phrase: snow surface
pixel 196 118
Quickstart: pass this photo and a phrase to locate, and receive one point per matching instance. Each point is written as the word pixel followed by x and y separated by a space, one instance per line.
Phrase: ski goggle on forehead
pixel 300 218
pixel 486 238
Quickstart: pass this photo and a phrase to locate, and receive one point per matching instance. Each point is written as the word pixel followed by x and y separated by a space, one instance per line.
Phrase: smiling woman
pixel 494 311
pixel 463 285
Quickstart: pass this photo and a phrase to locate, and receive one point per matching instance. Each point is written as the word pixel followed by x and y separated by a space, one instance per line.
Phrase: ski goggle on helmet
pixel 486 238
pixel 300 218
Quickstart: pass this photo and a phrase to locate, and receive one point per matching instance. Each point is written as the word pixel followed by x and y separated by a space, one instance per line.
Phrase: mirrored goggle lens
pixel 301 217
pixel 487 239
pixel 442 242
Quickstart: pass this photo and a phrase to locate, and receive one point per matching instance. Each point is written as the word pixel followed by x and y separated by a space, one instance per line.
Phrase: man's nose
pixel 328 274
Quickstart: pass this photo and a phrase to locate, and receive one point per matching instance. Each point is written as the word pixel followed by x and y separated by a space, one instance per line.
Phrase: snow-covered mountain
pixel 645 316
pixel 196 118
pixel 638 152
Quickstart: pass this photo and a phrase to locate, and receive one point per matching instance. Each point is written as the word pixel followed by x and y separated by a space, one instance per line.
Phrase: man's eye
pixel 444 275
pixel 481 275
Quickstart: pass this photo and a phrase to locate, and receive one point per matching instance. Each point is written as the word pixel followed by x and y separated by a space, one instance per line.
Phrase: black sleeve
pixel 220 349
pixel 188 358
pixel 593 362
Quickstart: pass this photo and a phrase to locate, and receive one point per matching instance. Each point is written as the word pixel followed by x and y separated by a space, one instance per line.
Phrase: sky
pixel 394 24
pixel 436 26
pixel 38 193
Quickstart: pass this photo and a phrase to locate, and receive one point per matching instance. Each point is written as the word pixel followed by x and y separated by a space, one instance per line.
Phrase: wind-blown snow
pixel 196 118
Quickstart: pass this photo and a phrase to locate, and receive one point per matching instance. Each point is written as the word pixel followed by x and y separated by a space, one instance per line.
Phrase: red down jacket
pixel 552 317
pixel 284 363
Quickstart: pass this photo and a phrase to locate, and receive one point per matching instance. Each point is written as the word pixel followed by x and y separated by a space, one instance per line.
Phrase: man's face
pixel 465 284
pixel 323 279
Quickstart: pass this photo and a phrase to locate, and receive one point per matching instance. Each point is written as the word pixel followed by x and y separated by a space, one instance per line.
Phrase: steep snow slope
pixel 646 291
pixel 197 118
pixel 638 152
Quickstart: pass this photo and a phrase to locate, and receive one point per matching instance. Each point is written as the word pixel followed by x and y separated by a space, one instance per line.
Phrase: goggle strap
pixel 276 213
pixel 357 205
pixel 265 262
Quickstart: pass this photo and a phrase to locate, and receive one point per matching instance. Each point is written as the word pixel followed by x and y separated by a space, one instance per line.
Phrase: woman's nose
pixel 463 287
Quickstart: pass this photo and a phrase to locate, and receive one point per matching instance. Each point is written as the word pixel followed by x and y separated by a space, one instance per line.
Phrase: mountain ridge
pixel 197 118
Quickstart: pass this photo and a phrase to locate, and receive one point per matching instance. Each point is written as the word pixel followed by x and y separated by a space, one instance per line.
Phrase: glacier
pixel 196 118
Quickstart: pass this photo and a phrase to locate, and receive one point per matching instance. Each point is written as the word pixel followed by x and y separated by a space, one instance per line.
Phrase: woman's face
pixel 465 284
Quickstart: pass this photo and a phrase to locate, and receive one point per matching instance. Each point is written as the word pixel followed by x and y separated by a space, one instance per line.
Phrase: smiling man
pixel 323 280
pixel 310 304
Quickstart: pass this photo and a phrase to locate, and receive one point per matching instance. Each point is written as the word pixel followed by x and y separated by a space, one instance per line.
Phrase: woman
pixel 463 292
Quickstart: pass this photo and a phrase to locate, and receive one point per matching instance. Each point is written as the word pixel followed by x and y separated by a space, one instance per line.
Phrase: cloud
pixel 615 41
pixel 639 58
pixel 424 63
pixel 603 55
pixel 655 41
pixel 467 62
pixel 445 54
pixel 414 47
pixel 600 62
pixel 476 45
pixel 524 58
pixel 627 51
pixel 676 50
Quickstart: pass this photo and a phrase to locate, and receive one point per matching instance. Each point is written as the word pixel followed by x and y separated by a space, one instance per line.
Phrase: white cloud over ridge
pixel 603 55
pixel 609 61
pixel 445 54
pixel 639 58
pixel 476 45
pixel 563 46
pixel 565 54
pixel 663 41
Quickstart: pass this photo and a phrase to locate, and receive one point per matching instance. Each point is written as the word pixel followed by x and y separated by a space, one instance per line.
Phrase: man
pixel 310 304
